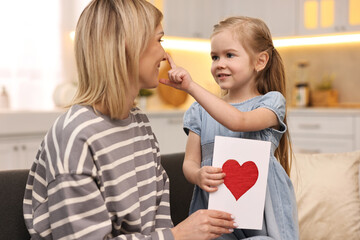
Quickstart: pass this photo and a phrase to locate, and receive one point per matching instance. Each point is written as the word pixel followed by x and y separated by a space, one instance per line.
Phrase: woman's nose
pixel 164 56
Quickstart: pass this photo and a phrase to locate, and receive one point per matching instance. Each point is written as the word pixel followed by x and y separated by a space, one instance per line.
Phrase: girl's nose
pixel 220 63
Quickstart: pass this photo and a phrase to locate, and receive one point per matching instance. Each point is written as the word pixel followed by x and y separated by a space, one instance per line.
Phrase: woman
pixel 97 174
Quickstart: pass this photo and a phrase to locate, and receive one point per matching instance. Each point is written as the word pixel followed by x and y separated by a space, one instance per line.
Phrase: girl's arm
pixel 192 158
pixel 220 110
pixel 207 177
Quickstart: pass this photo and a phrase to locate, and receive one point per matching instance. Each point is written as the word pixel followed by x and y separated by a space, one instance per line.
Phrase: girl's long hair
pixel 255 37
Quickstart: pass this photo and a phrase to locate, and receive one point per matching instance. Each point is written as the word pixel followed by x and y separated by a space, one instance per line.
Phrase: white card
pixel 243 192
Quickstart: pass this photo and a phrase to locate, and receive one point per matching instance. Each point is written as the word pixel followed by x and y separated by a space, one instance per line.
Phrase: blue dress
pixel 280 213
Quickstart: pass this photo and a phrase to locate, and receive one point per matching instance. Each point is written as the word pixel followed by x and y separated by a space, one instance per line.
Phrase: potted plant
pixel 142 98
pixel 325 95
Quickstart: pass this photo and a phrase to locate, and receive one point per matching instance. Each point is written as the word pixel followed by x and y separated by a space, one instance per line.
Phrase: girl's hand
pixel 204 225
pixel 178 77
pixel 208 178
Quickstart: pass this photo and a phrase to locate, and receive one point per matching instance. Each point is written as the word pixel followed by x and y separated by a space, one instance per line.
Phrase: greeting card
pixel 245 163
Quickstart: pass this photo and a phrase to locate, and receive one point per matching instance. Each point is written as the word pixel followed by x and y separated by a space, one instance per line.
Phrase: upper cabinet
pixel 328 16
pixel 196 18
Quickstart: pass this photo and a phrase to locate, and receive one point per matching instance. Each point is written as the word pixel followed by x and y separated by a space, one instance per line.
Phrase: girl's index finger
pixel 171 61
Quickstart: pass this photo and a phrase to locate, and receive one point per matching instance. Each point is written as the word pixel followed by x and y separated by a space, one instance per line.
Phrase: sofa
pixel 13 182
pixel 326 188
pixel 327 194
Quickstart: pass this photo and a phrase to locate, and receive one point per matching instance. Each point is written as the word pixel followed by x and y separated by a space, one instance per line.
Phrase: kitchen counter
pixel 312 130
pixel 29 122
pixel 26 122
pixel 324 110
pixel 21 133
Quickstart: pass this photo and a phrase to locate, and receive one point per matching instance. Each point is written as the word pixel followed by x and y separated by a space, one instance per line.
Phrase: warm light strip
pixel 198 45
pixel 186 44
pixel 317 40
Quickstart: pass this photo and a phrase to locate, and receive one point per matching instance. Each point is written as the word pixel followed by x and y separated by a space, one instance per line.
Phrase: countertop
pixel 32 122
pixel 29 122
pixel 324 110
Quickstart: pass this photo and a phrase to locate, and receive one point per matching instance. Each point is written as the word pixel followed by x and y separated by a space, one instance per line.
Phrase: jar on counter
pixel 301 95
pixel 4 99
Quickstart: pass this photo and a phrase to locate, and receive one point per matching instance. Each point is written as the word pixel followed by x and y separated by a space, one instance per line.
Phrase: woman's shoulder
pixel 71 121
pixel 139 115
pixel 75 115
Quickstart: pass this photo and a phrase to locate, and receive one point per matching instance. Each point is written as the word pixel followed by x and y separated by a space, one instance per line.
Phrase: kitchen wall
pixel 35 91
pixel 340 60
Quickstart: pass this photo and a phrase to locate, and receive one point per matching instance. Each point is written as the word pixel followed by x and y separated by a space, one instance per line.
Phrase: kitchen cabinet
pixel 18 152
pixel 328 16
pixel 21 133
pixel 324 130
pixel 195 19
pixel 168 129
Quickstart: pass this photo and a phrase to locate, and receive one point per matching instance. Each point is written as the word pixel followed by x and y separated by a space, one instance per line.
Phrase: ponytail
pixel 272 78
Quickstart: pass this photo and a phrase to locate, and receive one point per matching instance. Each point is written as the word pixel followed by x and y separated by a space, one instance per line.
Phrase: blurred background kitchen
pixel 319 41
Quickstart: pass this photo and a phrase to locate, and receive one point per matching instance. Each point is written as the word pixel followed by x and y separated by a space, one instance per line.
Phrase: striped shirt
pixel 97 178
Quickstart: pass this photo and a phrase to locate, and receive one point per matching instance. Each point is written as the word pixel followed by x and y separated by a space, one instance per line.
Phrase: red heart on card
pixel 239 178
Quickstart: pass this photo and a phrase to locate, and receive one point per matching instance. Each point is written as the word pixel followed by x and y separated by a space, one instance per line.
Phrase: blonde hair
pixel 109 39
pixel 255 37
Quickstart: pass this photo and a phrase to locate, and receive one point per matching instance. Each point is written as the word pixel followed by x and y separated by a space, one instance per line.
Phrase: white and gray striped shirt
pixel 97 178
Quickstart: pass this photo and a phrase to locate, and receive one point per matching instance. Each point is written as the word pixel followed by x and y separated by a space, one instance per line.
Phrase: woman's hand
pixel 204 225
pixel 178 77
pixel 208 178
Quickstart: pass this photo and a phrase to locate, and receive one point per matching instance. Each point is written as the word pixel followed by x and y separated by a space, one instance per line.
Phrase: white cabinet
pixel 328 16
pixel 187 18
pixel 279 15
pixel 21 134
pixel 324 130
pixel 195 18
pixel 168 129
pixel 18 152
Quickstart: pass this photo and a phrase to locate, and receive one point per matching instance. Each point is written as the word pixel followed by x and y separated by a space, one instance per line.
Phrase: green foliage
pixel 326 83
pixel 145 92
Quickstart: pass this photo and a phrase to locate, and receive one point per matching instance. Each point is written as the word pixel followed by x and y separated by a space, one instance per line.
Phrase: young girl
pixel 249 70
pixel 97 174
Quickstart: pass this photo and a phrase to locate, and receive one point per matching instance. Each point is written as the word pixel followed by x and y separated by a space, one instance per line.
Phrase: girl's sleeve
pixel 192 119
pixel 275 102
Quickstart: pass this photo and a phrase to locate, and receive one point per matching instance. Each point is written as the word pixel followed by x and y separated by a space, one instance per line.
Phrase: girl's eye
pixel 160 40
pixel 229 55
pixel 214 58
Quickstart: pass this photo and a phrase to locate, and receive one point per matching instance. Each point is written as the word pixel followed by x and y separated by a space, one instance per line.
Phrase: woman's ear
pixel 261 61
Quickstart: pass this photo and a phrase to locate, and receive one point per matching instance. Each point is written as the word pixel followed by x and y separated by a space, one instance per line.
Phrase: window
pixel 30 62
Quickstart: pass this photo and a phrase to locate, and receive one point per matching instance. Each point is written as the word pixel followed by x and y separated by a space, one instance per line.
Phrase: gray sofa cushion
pixel 12 188
pixel 180 189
